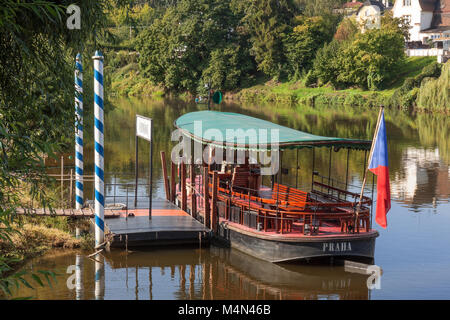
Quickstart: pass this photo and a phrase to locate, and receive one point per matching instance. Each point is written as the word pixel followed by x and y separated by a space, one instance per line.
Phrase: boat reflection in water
pixel 212 273
pixel 221 273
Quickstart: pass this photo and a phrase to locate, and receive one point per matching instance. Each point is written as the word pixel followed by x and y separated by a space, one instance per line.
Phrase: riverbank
pixel 35 236
pixel 403 92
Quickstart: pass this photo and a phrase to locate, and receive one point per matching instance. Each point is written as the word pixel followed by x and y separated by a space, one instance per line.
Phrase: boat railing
pixel 288 217
pixel 308 221
pixel 248 194
pixel 336 189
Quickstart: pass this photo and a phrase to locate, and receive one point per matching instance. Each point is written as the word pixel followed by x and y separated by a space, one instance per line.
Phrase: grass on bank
pixel 36 235
pixel 125 77
pixel 127 80
pixel 297 92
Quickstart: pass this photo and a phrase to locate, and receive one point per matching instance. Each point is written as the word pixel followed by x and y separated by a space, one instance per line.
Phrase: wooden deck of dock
pixel 80 213
pixel 132 227
pixel 168 225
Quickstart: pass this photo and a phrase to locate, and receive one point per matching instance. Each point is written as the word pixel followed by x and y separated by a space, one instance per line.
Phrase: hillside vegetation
pixel 281 52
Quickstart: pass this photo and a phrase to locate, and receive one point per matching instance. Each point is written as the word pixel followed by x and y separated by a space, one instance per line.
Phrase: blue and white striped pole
pixel 99 289
pixel 99 154
pixel 78 133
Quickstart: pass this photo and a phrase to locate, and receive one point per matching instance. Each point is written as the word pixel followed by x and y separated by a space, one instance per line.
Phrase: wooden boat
pixel 277 223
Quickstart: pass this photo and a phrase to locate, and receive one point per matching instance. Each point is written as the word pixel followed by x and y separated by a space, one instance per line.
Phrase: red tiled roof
pixel 441 14
pixel 355 4
pixel 428 5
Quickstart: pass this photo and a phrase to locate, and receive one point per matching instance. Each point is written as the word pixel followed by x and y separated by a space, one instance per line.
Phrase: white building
pixel 369 14
pixel 429 19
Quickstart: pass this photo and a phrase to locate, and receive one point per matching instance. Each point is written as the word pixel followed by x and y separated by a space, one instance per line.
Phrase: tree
pixel 327 66
pixel 373 58
pixel 346 30
pixel 368 60
pixel 302 43
pixel 400 24
pixel 312 8
pixel 176 49
pixel 37 53
pixel 228 67
pixel 267 22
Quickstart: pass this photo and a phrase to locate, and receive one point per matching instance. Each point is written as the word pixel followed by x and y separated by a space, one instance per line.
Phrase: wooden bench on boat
pixel 350 221
pixel 240 179
pixel 284 196
pixel 294 205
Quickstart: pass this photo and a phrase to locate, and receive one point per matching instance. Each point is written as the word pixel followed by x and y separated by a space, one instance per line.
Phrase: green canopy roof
pixel 232 130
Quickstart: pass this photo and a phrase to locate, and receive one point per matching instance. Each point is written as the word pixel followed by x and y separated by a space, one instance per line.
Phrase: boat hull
pixel 280 249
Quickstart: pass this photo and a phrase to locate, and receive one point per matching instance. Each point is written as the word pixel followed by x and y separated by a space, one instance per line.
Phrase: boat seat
pixel 290 194
pixel 240 179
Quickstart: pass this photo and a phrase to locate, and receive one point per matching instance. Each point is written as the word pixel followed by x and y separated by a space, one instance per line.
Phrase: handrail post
pixel 193 191
pixel 173 192
pixel 126 217
pixel 313 167
pixel 214 203
pixel 206 203
pixel 115 184
pixel 62 181
pixel 71 186
pixel 164 171
pixel 183 187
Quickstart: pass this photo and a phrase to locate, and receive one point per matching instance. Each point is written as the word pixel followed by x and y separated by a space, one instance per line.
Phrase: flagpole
pixel 358 207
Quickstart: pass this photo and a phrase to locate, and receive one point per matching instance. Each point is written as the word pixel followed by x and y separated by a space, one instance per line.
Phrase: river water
pixel 413 251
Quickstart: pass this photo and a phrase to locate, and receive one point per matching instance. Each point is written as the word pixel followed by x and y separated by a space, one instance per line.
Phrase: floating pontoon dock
pixel 168 225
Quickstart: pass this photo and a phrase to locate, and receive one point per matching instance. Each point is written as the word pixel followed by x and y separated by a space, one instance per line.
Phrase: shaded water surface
pixel 413 251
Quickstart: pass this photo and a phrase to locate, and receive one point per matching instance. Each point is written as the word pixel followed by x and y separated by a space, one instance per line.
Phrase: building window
pixel 406 3
pixel 407 18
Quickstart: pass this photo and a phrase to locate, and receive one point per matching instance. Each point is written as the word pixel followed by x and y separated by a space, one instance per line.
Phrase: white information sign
pixel 144 127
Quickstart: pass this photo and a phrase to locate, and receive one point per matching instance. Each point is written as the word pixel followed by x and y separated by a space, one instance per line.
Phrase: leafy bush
pixel 327 63
pixel 406 95
pixel 302 43
pixel 434 94
pixel 227 68
pixel 175 51
pixel 368 60
pixel 310 79
pixel 122 58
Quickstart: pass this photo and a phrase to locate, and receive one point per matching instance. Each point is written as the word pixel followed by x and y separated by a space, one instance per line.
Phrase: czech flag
pixel 380 167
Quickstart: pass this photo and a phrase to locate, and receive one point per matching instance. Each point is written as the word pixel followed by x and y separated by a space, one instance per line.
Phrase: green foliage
pixel 122 58
pixel 406 95
pixel 372 58
pixel 305 39
pixel 312 8
pixel 346 30
pixel 434 94
pixel 368 60
pixel 310 79
pixel 227 68
pixel 37 53
pixel 327 67
pixel 176 49
pixel 267 22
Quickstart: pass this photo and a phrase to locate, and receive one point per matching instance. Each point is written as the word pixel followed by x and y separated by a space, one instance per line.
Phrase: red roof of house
pixel 428 5
pixel 355 4
pixel 441 14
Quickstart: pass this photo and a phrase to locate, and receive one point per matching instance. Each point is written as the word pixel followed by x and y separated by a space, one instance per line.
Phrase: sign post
pixel 144 129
